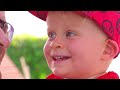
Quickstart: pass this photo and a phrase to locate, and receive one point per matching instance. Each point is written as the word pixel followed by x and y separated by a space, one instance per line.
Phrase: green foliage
pixel 31 48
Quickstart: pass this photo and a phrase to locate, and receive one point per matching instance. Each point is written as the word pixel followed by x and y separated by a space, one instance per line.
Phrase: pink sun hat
pixel 109 21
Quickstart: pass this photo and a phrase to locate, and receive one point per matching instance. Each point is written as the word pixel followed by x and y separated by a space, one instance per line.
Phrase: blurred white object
pixel 25 68
pixel 24 22
pixel 115 65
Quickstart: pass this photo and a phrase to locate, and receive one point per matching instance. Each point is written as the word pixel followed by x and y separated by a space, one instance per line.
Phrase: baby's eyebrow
pixel 49 29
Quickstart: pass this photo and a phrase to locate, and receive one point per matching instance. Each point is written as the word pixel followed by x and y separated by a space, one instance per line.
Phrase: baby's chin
pixel 2 53
pixel 61 73
pixel 0 75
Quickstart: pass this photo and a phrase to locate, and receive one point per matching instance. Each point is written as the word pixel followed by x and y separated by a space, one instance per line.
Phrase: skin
pixel 4 42
pixel 80 41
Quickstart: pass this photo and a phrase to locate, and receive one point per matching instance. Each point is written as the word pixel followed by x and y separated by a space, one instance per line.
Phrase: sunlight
pixel 24 22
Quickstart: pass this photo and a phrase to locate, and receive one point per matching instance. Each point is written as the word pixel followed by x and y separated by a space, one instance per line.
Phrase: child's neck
pixel 96 76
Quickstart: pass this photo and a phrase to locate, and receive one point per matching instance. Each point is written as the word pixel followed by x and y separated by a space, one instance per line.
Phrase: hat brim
pixel 40 14
pixel 43 14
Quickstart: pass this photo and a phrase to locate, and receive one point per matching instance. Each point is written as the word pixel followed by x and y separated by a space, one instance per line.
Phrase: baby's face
pixel 4 42
pixel 74 46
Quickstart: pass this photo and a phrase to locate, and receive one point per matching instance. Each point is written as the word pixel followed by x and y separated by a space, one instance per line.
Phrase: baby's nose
pixel 4 41
pixel 57 44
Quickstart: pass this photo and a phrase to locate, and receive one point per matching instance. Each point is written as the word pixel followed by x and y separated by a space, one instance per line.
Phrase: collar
pixel 109 75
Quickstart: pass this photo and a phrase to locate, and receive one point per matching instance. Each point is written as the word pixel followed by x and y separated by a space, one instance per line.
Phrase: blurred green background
pixel 30 49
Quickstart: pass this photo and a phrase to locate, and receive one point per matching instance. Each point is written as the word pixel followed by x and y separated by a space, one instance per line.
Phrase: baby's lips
pixel 61 58
pixel 4 42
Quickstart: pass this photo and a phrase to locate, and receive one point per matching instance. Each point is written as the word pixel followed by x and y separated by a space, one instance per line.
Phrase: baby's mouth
pixel 1 44
pixel 2 52
pixel 60 58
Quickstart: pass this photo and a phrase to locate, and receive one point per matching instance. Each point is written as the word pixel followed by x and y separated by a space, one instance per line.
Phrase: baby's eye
pixel 70 34
pixel 51 35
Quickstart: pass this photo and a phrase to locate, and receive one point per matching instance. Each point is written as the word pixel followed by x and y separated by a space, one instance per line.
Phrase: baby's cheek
pixel 74 48
pixel 4 40
pixel 47 54
pixel 46 50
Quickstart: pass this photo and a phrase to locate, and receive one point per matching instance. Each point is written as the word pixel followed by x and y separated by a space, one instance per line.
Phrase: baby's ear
pixel 111 49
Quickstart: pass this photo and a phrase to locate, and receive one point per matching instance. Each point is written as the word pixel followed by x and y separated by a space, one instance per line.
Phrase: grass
pixel 31 49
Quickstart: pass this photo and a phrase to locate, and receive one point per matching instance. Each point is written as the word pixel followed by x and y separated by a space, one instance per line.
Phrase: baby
pixel 6 34
pixel 81 44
